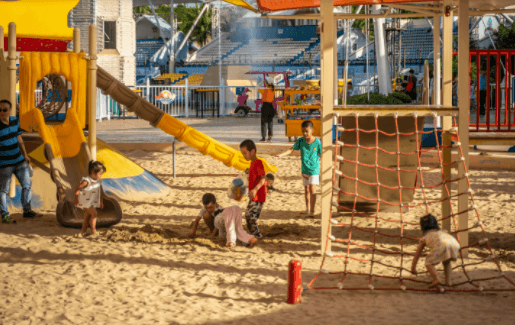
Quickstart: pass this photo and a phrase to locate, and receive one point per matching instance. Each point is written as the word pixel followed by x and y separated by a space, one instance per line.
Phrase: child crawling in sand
pixel 228 224
pixel 443 248
pixel 210 210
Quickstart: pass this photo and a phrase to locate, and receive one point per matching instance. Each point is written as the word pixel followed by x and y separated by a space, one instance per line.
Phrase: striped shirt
pixel 10 153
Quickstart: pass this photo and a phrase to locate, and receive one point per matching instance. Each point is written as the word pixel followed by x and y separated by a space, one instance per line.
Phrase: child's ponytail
pixel 95 166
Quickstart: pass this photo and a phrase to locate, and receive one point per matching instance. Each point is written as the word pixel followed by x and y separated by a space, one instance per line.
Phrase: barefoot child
pixel 257 188
pixel 210 210
pixel 228 224
pixel 88 195
pixel 443 248
pixel 310 151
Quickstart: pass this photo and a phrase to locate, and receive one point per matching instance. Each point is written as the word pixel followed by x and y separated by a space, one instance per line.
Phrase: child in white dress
pixel 88 196
pixel 443 248
pixel 228 224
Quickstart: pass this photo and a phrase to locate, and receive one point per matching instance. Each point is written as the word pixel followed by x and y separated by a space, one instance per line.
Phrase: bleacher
pixel 417 43
pixel 193 80
pixel 266 51
pixel 145 49
pixel 170 78
pixel 209 54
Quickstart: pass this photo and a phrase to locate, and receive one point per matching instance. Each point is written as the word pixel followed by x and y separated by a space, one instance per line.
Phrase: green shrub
pixel 378 99
pixel 403 97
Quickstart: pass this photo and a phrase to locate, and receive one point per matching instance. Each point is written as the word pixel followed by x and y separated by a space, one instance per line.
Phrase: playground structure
pixel 66 152
pixel 352 177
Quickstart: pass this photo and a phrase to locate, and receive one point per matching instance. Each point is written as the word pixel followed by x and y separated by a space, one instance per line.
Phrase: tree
pixel 505 37
pixel 185 19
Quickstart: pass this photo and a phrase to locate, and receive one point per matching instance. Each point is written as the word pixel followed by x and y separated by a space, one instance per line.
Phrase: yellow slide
pixel 65 146
pixel 193 138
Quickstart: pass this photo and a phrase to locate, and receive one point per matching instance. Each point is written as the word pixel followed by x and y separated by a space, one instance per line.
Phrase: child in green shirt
pixel 310 151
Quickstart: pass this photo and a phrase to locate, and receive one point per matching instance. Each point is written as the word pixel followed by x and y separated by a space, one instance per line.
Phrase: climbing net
pixel 377 167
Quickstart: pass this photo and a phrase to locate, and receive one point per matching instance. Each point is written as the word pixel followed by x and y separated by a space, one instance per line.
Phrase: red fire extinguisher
pixel 294 282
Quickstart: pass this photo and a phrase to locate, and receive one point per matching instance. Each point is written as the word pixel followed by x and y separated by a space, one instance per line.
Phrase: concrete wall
pixel 119 62
pixel 145 30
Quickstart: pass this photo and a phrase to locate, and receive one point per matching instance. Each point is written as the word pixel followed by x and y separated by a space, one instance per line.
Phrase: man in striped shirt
pixel 13 160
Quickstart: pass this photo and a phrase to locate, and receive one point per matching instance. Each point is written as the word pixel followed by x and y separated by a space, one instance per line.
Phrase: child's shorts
pixel 310 179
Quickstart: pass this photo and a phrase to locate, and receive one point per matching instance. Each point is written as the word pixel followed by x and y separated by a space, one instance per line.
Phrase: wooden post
pixel 463 126
pixel 447 101
pixel 76 40
pixel 327 32
pixel 11 66
pixel 92 91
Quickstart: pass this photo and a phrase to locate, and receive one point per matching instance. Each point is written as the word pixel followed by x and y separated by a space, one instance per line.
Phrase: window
pixel 109 34
pixel 154 29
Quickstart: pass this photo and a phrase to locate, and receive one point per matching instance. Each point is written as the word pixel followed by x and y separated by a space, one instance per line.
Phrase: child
pixel 442 249
pixel 228 224
pixel 257 190
pixel 88 196
pixel 267 110
pixel 310 151
pixel 210 210
pixel 270 178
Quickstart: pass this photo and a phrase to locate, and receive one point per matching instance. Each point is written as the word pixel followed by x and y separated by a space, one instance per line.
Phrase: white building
pixel 116 35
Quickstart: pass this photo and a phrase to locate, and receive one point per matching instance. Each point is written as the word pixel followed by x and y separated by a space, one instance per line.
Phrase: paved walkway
pixel 226 130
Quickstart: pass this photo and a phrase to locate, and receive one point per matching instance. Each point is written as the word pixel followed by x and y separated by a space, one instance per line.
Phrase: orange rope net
pixel 354 250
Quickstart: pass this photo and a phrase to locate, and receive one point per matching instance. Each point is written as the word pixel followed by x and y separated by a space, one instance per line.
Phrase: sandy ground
pixel 147 271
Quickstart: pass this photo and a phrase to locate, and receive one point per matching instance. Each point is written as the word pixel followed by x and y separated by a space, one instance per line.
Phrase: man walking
pixel 410 85
pixel 13 160
pixel 482 92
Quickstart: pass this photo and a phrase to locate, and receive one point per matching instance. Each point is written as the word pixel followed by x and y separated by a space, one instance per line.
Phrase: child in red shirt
pixel 257 188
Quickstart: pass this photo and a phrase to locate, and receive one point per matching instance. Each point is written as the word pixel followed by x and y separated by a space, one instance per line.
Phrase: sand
pixel 146 270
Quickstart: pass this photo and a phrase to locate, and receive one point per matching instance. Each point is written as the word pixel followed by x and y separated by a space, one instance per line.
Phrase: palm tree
pixel 185 19
pixel 187 16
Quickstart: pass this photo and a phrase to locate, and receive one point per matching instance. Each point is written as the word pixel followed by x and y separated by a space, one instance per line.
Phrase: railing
pixel 489 112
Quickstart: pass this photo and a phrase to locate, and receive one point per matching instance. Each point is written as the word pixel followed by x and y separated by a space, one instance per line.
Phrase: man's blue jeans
pixel 21 171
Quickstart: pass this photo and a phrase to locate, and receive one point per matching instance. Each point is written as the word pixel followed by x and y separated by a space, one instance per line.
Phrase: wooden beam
pixel 417 9
pixel 463 121
pixel 447 121
pixel 354 16
pixel 473 13
pixel 11 67
pixel 92 92
pixel 327 45
pixel 389 11
pixel 364 16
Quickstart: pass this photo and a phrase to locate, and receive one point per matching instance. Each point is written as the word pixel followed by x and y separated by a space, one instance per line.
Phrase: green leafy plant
pixel 376 99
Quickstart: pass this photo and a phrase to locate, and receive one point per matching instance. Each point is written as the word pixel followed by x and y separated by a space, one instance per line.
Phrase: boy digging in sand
pixel 310 151
pixel 210 210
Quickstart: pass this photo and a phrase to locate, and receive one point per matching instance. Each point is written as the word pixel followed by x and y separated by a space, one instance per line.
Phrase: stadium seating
pixel 145 49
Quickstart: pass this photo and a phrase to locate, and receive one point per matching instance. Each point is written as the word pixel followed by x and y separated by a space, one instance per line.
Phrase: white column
pixel 186 97
pixel 172 40
pixel 463 122
pixel 437 61
pixel 327 45
pixel 383 71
